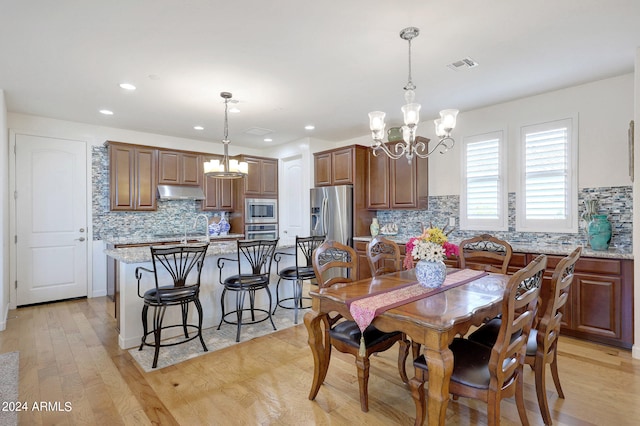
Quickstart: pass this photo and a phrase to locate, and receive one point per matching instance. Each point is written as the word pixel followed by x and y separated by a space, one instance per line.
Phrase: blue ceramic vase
pixel 599 231
pixel 431 274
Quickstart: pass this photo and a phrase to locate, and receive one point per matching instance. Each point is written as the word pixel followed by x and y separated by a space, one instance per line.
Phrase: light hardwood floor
pixel 69 353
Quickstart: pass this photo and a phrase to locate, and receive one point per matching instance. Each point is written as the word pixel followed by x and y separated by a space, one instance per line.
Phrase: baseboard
pixel 5 316
pixel 100 293
pixel 635 351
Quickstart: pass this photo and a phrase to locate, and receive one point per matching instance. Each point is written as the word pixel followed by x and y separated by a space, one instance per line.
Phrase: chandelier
pixel 227 168
pixel 412 145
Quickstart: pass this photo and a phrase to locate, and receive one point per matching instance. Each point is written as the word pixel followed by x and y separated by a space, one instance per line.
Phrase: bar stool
pixel 254 270
pixel 303 270
pixel 183 263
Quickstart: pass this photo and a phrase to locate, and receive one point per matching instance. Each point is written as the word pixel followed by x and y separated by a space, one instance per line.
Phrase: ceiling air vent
pixel 462 64
pixel 258 131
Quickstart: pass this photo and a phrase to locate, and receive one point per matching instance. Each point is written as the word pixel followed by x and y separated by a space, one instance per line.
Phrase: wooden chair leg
pixel 403 353
pixel 417 392
pixel 363 380
pixel 554 373
pixel 541 389
pixel 522 410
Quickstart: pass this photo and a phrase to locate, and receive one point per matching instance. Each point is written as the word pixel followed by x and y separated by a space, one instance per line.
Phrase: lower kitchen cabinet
pixel 600 304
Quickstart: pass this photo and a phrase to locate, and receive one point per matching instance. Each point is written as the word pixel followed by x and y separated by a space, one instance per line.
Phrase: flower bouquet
pixel 430 249
pixel 433 245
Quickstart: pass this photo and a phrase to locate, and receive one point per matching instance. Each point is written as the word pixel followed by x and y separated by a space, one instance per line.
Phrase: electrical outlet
pixel 452 221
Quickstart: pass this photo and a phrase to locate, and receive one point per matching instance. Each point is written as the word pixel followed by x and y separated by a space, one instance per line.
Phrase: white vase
pixel 431 274
pixel 374 227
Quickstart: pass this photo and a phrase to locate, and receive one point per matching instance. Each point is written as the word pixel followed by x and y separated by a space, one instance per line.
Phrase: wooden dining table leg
pixel 320 348
pixel 440 365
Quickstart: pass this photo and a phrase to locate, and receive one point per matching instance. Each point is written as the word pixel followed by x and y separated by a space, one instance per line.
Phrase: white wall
pixel 636 213
pixel 604 109
pixel 4 213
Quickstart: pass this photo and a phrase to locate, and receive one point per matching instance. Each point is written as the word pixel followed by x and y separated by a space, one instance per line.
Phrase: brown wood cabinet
pixel 133 177
pixel 346 166
pixel 397 184
pixel 219 193
pixel 339 166
pixel 262 179
pixel 179 168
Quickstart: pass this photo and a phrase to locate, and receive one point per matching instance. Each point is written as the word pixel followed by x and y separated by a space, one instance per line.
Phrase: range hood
pixel 177 192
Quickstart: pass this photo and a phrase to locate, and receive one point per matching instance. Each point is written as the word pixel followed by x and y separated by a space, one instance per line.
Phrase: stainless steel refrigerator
pixel 332 213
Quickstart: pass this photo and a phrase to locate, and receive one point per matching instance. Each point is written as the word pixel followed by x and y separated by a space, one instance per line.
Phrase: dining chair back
pixel 335 263
pixel 181 267
pixel 383 256
pixel 303 270
pixel 543 339
pixel 492 373
pixel 253 261
pixel 485 252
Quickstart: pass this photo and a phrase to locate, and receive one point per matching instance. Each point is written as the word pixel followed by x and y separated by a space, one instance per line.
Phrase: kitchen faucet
pixel 206 226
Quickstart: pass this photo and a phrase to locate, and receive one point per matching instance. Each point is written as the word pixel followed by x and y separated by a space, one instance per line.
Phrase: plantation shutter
pixel 547 174
pixel 483 176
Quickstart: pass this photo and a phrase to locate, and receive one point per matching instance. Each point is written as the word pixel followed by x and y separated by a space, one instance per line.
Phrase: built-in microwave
pixel 261 210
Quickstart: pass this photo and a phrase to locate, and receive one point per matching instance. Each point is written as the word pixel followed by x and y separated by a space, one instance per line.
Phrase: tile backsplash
pixel 170 217
pixel 615 202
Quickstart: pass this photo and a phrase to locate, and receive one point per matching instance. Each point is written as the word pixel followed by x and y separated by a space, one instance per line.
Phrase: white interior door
pixel 293 199
pixel 51 219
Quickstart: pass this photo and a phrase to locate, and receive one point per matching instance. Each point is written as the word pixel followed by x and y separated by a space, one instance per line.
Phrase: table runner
pixel 364 309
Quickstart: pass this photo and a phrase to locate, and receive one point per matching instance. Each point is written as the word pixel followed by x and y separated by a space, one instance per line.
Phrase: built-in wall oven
pixel 263 231
pixel 261 210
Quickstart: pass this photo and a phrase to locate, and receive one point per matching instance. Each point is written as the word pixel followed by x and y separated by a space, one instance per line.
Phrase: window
pixel 483 205
pixel 547 200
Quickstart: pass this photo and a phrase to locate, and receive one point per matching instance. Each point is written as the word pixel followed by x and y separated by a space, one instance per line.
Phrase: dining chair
pixel 493 253
pixel 383 256
pixel 183 264
pixel 303 270
pixel 542 344
pixel 335 263
pixel 492 373
pixel 254 258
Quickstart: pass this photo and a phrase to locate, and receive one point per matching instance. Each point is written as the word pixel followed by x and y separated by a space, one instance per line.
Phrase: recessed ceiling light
pixel 268 140
pixel 198 127
pixel 106 112
pixel 309 127
pixel 127 86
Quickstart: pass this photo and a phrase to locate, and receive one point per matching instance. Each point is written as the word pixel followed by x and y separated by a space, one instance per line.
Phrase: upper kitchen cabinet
pixel 219 193
pixel 342 166
pixel 179 168
pixel 262 178
pixel 133 176
pixel 396 184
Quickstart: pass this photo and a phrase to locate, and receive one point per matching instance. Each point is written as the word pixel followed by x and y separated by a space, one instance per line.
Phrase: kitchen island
pixel 129 305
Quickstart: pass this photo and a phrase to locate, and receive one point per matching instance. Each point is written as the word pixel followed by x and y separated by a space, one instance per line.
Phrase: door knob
pixel 80 239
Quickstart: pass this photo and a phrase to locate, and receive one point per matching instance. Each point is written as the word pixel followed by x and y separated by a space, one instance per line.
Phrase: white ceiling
pixel 294 62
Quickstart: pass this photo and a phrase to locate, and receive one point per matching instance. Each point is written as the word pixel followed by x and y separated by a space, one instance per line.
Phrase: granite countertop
pixel 558 249
pixel 164 238
pixel 142 254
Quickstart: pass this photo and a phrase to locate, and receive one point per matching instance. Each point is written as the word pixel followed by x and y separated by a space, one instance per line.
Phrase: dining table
pixel 432 319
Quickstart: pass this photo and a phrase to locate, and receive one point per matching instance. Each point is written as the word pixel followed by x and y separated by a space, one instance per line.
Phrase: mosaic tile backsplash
pixel 615 202
pixel 170 218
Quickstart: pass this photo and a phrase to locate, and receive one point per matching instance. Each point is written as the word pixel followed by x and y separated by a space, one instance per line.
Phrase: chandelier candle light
pixel 411 144
pixel 227 168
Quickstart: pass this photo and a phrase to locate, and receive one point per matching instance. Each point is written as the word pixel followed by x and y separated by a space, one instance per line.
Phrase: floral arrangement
pixel 433 245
